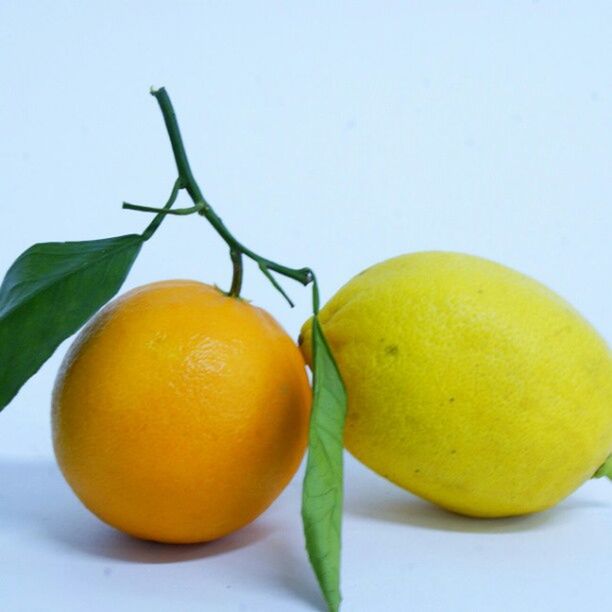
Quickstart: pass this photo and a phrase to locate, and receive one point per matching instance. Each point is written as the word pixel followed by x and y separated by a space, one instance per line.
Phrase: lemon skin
pixel 469 384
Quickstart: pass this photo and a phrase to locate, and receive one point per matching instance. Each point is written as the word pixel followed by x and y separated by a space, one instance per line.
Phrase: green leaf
pixel 322 491
pixel 50 291
pixel 605 470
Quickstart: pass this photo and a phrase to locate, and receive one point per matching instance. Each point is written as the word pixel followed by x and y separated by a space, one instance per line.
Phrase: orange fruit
pixel 179 413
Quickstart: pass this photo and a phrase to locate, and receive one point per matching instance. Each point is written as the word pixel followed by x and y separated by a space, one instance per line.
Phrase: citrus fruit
pixel 180 413
pixel 469 384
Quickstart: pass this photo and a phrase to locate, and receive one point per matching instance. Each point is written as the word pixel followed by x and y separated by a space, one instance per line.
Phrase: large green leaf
pixel 47 295
pixel 322 492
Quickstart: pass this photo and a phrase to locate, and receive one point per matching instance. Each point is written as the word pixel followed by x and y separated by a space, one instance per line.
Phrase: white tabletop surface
pixel 400 553
pixel 332 135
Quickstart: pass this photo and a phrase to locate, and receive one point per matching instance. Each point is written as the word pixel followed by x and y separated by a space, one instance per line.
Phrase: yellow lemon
pixel 469 384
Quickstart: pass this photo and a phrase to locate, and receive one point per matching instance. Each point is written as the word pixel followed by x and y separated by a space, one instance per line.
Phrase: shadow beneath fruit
pixel 115 545
pixel 402 508
pixel 370 497
pixel 35 500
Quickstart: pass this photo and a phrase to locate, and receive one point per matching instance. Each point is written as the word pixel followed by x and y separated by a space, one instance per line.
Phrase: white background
pixel 332 137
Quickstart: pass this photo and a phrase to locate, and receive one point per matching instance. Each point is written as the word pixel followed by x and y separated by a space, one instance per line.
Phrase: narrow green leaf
pixel 50 291
pixel 605 470
pixel 322 491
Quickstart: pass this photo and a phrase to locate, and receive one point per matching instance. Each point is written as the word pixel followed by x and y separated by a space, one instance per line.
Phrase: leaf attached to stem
pixel 50 291
pixel 322 493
